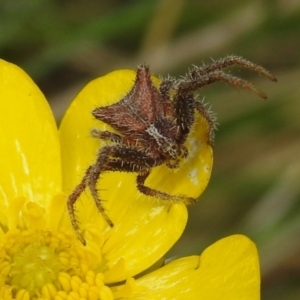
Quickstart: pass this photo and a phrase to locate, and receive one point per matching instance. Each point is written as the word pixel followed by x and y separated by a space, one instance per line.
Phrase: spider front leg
pixel 158 194
pixel 197 80
pixel 234 61
pixel 185 106
pixel 199 77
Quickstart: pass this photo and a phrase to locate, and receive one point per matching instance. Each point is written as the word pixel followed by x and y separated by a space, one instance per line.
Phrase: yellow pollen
pixel 48 265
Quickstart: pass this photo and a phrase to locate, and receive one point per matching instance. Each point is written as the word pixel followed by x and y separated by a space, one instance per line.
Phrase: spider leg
pixel 110 158
pixel 142 176
pixel 185 106
pixel 201 76
pixel 210 118
pixel 199 80
pixel 71 202
pixel 89 180
pixel 164 88
pixel 231 61
pixel 166 85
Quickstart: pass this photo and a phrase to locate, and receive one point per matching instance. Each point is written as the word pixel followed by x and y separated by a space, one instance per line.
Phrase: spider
pixel 153 127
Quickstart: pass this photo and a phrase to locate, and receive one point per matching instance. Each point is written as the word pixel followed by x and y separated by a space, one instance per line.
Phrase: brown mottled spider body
pixel 153 126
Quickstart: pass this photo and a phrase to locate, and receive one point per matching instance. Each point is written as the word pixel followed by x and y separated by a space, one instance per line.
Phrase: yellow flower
pixel 40 256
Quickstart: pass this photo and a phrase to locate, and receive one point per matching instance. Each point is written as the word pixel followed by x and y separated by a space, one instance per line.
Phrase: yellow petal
pixel 30 157
pixel 228 269
pixel 145 228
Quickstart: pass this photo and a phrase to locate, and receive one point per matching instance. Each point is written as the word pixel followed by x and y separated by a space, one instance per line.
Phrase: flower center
pixel 48 265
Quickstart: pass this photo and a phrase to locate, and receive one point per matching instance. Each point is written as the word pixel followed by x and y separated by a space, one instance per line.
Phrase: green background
pixel 254 189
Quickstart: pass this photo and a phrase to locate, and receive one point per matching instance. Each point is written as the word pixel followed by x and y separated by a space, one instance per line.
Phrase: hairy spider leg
pixel 90 180
pixel 210 119
pixel 200 80
pixel 184 106
pixel 234 61
pixel 79 189
pixel 124 159
pixel 143 173
pixel 109 158
pixel 142 176
pixel 164 90
pixel 165 86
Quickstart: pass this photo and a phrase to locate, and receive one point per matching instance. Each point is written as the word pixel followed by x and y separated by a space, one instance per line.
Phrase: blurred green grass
pixel 254 187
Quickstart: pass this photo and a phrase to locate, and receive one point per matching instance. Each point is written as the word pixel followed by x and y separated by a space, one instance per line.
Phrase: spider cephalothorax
pixel 152 127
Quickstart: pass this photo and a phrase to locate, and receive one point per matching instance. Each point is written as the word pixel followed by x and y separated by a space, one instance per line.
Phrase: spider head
pixel 167 146
pixel 170 149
